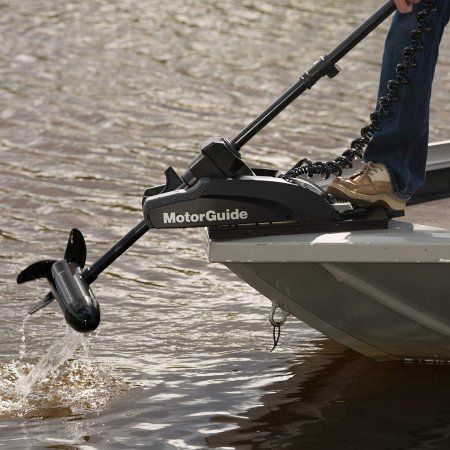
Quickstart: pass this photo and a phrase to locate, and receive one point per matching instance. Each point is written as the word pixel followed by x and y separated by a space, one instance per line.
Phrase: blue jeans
pixel 402 143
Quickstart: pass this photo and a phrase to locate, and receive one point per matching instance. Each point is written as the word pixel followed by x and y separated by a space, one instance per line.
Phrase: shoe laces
pixel 369 168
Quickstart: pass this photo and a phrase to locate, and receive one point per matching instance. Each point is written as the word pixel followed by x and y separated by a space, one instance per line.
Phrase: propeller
pixel 73 294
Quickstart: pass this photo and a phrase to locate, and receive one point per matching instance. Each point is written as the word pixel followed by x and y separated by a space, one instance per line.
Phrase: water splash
pixel 59 352
pixel 57 385
pixel 74 388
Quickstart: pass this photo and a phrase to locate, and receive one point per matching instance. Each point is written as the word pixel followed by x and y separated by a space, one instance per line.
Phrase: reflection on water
pixel 96 100
pixel 341 400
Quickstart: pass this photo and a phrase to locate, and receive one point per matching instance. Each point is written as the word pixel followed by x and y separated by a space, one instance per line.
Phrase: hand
pixel 405 6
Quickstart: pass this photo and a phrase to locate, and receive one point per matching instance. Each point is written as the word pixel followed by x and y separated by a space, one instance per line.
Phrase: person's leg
pixel 399 149
pixel 402 143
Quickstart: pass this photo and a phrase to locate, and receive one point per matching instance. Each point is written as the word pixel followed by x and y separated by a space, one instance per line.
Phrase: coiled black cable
pixel 345 161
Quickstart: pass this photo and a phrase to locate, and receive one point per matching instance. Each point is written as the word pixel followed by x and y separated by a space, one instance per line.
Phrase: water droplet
pixel 23 346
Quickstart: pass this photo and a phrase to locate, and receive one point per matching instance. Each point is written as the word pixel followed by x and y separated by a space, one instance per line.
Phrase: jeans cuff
pixel 400 193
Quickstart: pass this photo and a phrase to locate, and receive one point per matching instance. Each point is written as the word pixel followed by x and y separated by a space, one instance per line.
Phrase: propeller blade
pixel 76 248
pixel 40 269
pixel 42 304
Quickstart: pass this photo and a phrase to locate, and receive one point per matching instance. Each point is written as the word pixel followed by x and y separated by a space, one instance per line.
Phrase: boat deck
pixel 434 213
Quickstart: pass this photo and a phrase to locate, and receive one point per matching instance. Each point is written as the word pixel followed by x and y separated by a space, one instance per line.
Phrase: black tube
pixel 90 274
pixel 317 71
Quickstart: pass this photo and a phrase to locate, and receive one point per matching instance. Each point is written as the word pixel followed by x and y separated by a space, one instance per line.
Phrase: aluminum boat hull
pixel 384 293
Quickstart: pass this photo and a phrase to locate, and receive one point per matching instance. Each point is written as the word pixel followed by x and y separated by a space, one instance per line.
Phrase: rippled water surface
pixel 97 98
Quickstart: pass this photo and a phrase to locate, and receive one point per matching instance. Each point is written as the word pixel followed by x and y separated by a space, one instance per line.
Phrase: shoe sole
pixel 366 200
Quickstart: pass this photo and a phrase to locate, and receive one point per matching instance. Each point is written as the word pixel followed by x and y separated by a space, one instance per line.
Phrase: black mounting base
pixel 272 229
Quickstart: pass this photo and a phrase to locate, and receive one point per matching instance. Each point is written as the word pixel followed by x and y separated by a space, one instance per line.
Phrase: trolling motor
pixel 81 309
pixel 221 192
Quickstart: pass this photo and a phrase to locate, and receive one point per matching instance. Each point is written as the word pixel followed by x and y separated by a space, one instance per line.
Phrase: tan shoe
pixel 371 185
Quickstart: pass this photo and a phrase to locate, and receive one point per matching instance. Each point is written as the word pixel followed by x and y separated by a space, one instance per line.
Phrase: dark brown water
pixel 96 100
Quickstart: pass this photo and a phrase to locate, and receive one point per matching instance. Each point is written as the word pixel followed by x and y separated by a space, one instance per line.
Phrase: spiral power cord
pixel 345 161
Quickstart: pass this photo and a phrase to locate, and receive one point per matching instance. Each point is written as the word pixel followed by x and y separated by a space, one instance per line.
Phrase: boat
pixel 364 276
pixel 384 293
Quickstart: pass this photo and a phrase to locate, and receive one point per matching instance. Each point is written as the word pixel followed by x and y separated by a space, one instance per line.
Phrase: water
pixel 96 100
pixel 59 352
